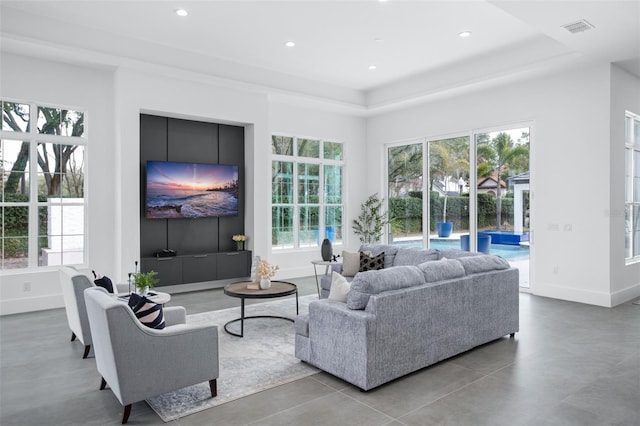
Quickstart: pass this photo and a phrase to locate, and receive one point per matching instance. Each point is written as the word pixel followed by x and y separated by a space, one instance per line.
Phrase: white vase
pixel 265 283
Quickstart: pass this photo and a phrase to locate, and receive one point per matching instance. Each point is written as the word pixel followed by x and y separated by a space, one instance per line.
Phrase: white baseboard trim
pixel 31 304
pixel 573 294
pixel 625 295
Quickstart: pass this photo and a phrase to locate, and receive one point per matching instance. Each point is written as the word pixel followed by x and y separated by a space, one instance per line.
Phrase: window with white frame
pixel 42 152
pixel 306 180
pixel 632 187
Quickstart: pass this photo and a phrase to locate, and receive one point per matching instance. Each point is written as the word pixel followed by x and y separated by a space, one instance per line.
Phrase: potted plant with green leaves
pixel 145 281
pixel 370 223
pixel 446 164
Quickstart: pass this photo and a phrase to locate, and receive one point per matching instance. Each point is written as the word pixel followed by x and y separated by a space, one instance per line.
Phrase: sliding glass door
pixel 448 162
pixel 405 166
pixel 503 202
pixel 476 195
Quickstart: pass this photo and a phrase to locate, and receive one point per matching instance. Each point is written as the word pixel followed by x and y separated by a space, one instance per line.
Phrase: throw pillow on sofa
pixel 339 288
pixel 350 263
pixel 371 263
pixel 148 313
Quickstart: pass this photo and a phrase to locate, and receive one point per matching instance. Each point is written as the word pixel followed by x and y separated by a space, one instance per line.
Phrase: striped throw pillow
pixel 148 313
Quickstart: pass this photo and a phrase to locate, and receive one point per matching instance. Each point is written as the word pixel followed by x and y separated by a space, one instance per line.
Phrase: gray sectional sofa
pixel 408 316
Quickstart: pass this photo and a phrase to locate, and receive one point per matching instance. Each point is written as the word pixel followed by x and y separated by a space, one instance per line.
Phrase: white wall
pixel 89 90
pixel 569 167
pixel 138 92
pixel 574 151
pixel 316 123
pixel 625 96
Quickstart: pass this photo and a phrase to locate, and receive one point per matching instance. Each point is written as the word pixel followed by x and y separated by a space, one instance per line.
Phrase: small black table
pixel 240 290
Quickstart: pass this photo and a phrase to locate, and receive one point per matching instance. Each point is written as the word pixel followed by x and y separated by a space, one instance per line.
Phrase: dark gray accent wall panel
pixel 231 151
pixel 193 236
pixel 192 141
pixel 153 147
pixel 199 243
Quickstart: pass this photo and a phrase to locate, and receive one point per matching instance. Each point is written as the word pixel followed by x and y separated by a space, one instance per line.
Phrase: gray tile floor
pixel 570 364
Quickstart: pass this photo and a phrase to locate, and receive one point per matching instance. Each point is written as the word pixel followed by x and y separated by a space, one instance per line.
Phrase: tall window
pixel 42 201
pixel 632 186
pixel 306 204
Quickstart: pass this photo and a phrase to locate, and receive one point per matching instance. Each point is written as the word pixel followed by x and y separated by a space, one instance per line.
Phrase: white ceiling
pixel 414 44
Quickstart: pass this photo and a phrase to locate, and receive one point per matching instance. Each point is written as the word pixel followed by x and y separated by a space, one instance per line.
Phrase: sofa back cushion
pixel 455 254
pixel 376 249
pixel 409 256
pixel 483 263
pixel 374 282
pixel 441 270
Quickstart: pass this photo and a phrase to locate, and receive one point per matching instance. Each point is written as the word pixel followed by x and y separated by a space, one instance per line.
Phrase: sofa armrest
pixel 335 267
pixel 341 339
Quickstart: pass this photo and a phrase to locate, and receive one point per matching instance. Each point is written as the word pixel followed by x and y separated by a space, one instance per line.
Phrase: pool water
pixel 509 252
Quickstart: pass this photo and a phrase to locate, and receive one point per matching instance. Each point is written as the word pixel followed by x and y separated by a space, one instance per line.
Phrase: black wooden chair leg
pixel 86 351
pixel 103 383
pixel 73 336
pixel 127 411
pixel 512 335
pixel 213 385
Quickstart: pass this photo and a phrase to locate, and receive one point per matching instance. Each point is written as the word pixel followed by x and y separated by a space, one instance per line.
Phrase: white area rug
pixel 262 359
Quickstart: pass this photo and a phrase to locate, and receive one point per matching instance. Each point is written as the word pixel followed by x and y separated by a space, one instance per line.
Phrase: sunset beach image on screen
pixel 191 190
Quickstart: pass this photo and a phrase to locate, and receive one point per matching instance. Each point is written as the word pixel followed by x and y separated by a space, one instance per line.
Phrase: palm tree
pixel 499 157
pixel 448 158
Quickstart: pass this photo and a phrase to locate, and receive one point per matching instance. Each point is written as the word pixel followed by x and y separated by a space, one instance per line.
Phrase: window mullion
pixel 34 205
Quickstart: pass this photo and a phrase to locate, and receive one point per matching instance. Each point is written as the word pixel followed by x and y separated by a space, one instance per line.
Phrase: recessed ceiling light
pixel 464 34
pixel 372 67
pixel 181 12
pixel 290 44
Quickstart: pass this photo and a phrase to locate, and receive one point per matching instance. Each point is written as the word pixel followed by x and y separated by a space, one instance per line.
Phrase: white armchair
pixel 73 284
pixel 138 362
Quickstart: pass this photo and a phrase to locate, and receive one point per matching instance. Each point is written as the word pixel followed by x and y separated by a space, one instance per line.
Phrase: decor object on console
pixel 145 281
pixel 326 250
pixel 413 307
pixel 240 240
pixel 115 328
pixel 370 224
pixel 265 271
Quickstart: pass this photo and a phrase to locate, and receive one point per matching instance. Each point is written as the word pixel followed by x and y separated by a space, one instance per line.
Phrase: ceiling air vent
pixel 578 27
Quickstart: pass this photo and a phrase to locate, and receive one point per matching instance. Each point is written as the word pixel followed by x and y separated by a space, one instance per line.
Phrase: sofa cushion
pixel 374 282
pixel 411 256
pixel 350 263
pixel 439 270
pixel 455 254
pixel 375 249
pixel 339 288
pixel 371 263
pixel 483 263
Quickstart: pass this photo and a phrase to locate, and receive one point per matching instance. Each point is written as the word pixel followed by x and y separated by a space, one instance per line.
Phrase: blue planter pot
pixel 484 243
pixel 444 228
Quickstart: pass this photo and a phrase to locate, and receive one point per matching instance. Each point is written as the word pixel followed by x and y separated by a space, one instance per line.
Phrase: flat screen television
pixel 190 190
